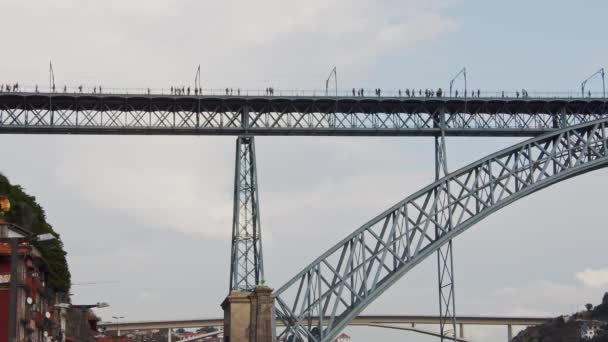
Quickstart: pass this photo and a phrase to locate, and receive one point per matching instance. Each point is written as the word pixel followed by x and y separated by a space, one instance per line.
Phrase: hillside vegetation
pixel 27 213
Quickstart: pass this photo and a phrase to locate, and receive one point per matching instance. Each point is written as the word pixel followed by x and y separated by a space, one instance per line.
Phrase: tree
pixel 605 299
pixel 589 306
pixel 180 330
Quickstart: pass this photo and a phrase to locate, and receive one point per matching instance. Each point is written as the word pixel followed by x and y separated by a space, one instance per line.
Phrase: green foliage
pixel 27 213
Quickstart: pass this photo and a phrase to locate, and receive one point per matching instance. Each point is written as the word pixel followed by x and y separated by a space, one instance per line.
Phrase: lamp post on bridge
pixel 334 73
pixel 462 72
pixel 601 73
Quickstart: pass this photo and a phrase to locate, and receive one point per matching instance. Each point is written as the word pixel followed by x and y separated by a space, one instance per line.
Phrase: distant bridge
pixel 360 320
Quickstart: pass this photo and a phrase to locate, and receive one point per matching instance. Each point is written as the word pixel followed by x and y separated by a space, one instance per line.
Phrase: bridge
pixel 66 113
pixel 568 138
pixel 364 320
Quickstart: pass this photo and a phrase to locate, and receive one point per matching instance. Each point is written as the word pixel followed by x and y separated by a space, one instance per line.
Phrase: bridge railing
pixel 236 91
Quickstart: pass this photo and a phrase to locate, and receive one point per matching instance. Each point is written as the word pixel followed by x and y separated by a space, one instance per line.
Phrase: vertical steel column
pixel 246 264
pixel 443 217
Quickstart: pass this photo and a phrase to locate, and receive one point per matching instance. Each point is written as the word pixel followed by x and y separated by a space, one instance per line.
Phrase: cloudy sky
pixel 152 215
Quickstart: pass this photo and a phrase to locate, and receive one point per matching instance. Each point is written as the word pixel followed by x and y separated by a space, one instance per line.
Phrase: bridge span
pixel 157 114
pixel 399 322
pixel 360 320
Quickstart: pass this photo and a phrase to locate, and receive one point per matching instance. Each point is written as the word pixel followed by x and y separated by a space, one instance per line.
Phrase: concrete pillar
pixel 237 311
pixel 248 316
pixel 509 332
pixel 169 337
pixel 261 315
pixel 461 330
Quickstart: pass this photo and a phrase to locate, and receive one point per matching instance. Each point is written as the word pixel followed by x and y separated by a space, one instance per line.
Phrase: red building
pixel 32 312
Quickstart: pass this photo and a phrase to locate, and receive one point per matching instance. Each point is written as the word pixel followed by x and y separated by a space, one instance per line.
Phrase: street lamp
pixel 462 72
pixel 334 73
pixel 117 318
pixel 601 74
pixel 90 306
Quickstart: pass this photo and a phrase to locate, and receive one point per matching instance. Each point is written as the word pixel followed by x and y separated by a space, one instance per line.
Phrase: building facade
pixel 33 322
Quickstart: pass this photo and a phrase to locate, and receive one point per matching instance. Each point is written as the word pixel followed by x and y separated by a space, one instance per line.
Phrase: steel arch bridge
pixel 343 281
pixel 248 116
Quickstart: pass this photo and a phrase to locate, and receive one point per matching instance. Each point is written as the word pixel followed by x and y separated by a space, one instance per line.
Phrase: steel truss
pixel 246 264
pixel 249 115
pixel 445 259
pixel 342 282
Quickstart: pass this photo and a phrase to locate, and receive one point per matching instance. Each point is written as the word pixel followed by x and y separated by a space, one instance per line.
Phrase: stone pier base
pixel 248 316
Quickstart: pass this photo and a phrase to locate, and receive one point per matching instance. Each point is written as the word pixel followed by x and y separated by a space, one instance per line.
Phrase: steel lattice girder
pixel 445 260
pixel 338 285
pixel 30 113
pixel 246 264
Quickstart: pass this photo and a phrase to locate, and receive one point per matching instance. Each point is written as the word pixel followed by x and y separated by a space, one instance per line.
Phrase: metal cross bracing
pixel 343 281
pixel 445 259
pixel 246 266
pixel 57 113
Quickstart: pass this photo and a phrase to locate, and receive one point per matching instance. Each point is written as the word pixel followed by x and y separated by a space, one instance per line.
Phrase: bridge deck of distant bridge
pixel 361 320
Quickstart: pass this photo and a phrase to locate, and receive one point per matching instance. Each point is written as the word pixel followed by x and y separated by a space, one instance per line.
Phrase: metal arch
pixel 347 278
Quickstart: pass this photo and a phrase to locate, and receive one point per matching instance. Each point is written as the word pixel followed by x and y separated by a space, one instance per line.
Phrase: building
pixel 343 337
pixel 32 311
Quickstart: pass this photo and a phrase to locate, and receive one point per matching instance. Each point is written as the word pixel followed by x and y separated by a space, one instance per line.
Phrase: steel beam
pixel 246 265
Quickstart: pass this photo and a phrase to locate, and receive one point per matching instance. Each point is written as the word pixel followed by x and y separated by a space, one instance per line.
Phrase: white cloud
pixel 594 278
pixel 237 43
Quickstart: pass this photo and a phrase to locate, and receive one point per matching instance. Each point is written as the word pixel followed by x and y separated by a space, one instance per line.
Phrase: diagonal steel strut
pixel 445 260
pixel 246 264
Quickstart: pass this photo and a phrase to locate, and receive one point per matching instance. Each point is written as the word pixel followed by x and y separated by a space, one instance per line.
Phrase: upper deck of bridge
pixel 291 114
pixel 302 103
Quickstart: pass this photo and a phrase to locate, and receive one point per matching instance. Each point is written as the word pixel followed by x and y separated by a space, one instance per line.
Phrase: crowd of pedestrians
pixel 270 91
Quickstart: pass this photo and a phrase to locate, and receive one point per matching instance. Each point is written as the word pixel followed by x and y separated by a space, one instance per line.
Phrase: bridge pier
pixel 248 316
pixel 509 333
pixel 246 262
pixel 445 259
pixel 169 337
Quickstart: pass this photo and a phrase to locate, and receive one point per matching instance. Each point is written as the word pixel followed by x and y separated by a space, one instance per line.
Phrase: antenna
pixel 462 72
pixel 584 83
pixel 333 72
